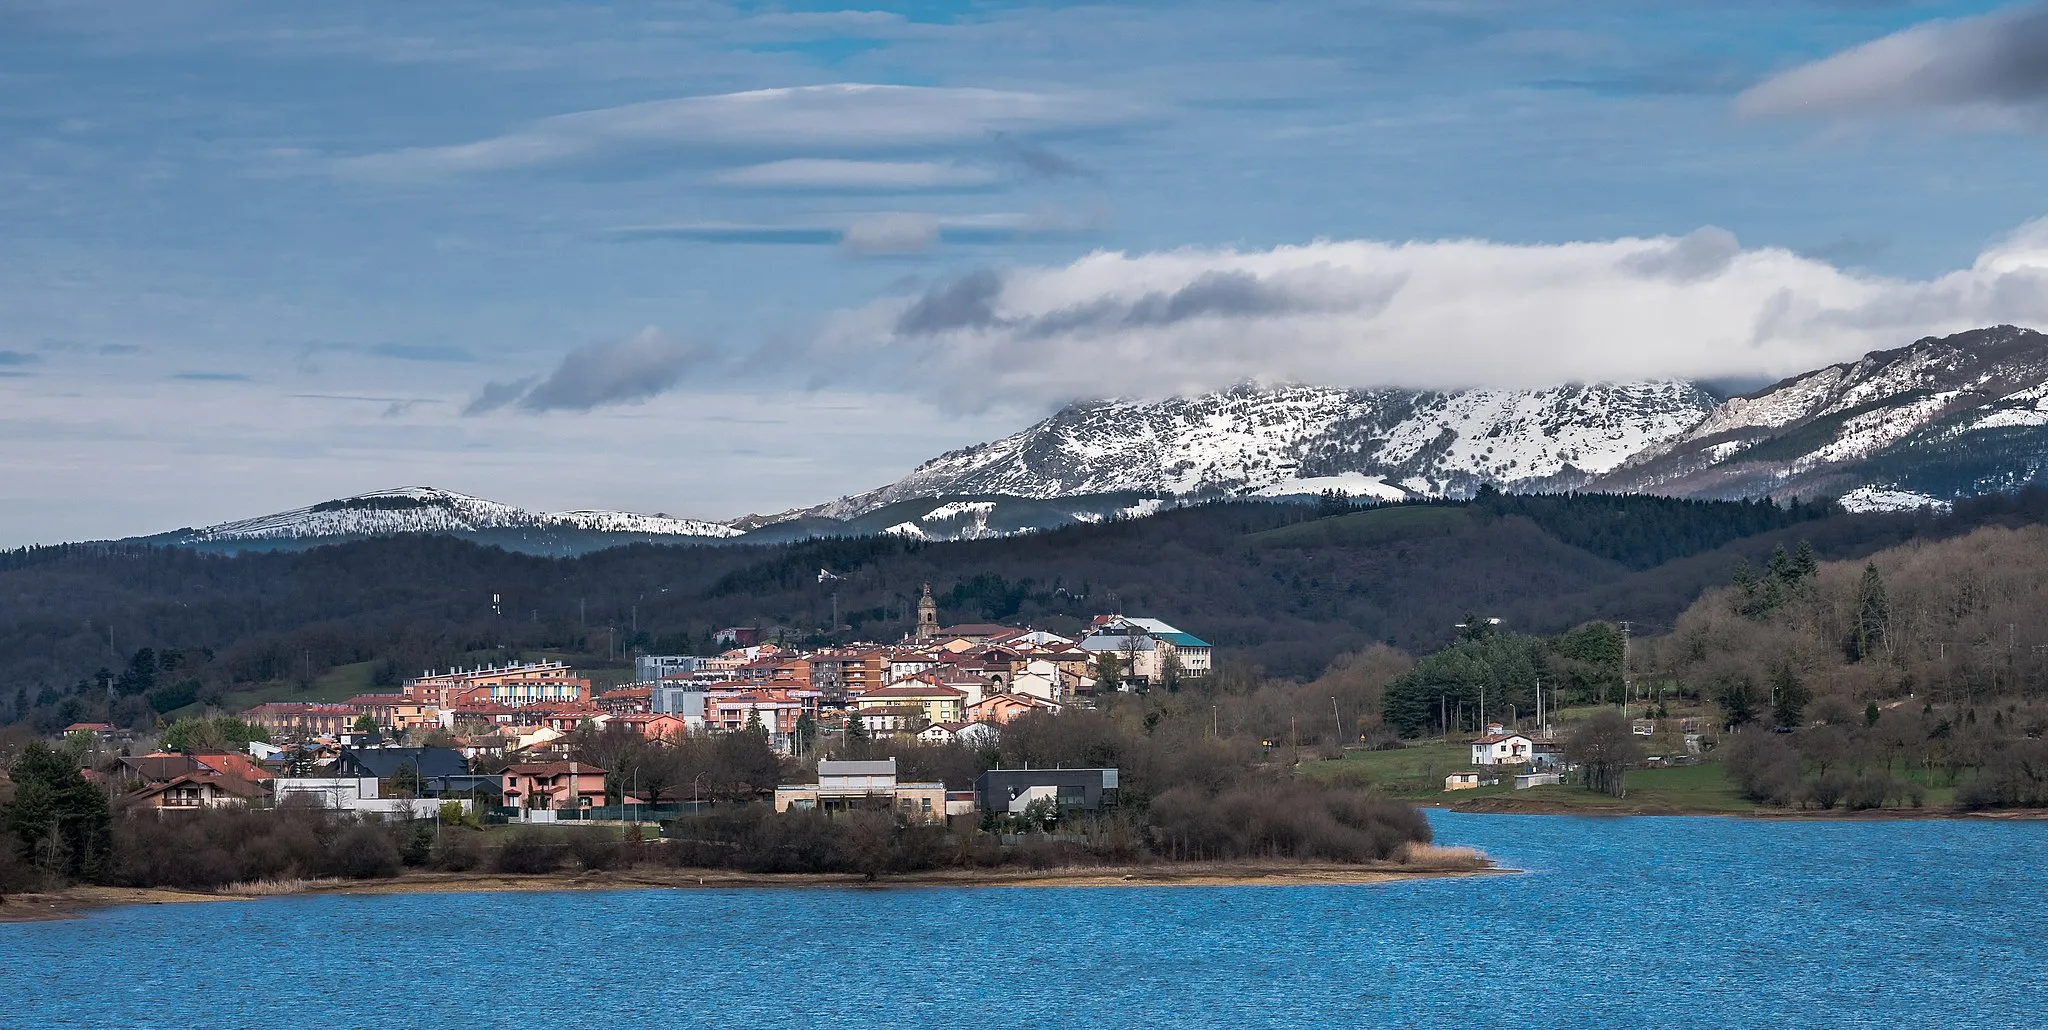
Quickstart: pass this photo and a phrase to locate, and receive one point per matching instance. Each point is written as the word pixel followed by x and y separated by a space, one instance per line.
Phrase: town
pixel 512 741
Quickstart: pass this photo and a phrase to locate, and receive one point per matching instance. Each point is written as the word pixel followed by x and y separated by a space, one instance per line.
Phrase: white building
pixel 358 795
pixel 1502 749
pixel 1146 646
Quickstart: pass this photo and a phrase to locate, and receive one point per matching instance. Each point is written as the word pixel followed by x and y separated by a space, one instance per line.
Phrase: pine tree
pixel 1805 566
pixel 1873 613
pixel 1788 697
pixel 1738 704
pixel 1780 566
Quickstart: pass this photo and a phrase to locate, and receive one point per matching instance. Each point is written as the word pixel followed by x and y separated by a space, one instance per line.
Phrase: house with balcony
pixel 1499 747
pixel 871 785
pixel 934 701
pixel 196 790
pixel 552 785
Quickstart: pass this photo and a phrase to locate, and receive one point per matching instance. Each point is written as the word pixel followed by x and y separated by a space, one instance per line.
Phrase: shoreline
pixel 75 902
pixel 1508 806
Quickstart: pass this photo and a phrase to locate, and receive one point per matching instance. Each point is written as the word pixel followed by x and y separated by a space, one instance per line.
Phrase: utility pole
pixel 1625 629
pixel 1339 719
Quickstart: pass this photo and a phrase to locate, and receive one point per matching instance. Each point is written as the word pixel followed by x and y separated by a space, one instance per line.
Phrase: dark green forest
pixel 1280 588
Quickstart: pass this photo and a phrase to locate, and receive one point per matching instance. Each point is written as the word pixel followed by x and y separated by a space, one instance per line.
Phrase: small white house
pixel 1502 749
pixel 1461 781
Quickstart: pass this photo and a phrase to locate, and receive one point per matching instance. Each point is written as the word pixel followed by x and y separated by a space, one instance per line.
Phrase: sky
pixel 705 258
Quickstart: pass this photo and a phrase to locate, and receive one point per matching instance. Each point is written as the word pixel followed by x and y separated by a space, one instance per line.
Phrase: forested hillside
pixel 1278 586
pixel 1923 665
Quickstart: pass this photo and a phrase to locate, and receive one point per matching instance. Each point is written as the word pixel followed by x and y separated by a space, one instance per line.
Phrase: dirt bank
pixel 72 902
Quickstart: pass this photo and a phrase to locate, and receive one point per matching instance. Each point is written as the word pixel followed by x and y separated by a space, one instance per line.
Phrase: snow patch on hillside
pixel 959 508
pixel 1884 498
pixel 422 509
pixel 1350 484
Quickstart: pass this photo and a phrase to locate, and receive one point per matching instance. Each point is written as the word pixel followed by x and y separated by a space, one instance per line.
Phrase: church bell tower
pixel 927 617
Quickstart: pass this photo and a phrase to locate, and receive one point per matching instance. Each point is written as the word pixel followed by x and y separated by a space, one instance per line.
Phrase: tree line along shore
pixel 1913 679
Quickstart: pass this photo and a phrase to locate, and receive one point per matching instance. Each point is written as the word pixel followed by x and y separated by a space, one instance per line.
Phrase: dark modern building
pixel 440 770
pixel 1012 790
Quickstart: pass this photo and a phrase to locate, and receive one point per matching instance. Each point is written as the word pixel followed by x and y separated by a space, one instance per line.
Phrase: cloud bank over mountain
pixel 1452 313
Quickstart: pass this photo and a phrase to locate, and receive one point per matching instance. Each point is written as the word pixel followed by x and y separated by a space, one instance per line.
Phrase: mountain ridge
pixel 1929 423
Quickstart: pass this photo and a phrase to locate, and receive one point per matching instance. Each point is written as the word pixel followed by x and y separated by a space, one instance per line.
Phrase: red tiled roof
pixel 933 690
pixel 549 769
pixel 230 764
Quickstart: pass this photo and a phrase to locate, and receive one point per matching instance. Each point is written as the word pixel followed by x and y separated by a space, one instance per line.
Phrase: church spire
pixel 927 616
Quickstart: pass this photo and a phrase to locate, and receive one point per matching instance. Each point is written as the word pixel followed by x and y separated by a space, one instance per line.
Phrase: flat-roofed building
pixel 870 785
pixel 1011 791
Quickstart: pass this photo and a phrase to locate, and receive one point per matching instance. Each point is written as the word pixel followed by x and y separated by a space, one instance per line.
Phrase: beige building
pixel 854 786
pixel 939 703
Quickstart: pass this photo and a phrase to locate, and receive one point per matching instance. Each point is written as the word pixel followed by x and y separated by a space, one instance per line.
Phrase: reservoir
pixel 1668 922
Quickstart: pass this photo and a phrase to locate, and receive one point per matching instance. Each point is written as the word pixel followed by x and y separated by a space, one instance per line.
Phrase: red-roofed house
pixel 238 766
pixel 201 790
pixel 626 700
pixel 652 727
pixel 1500 748
pixel 1001 708
pixel 553 784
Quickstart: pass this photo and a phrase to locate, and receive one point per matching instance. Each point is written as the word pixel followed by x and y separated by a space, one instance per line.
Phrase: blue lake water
pixel 1661 922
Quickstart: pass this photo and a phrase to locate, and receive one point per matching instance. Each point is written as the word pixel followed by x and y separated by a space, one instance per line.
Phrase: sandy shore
pixel 73 902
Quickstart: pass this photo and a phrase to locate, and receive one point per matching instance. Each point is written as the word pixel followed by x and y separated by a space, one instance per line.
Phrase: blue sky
pixel 660 256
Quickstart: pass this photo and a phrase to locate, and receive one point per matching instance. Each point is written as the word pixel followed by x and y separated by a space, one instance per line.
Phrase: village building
pixel 1001 708
pixel 1148 650
pixel 296 720
pixel 196 790
pixel 935 702
pixel 516 685
pixel 396 712
pixel 968 733
pixel 1499 747
pixel 1011 791
pixel 552 785
pixel 854 786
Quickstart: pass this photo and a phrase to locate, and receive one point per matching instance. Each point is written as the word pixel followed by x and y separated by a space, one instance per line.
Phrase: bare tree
pixel 1604 748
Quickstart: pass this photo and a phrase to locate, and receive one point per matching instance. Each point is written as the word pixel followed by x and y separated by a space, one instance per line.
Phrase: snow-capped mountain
pixel 1927 423
pixel 1387 444
pixel 419 509
pixel 1931 422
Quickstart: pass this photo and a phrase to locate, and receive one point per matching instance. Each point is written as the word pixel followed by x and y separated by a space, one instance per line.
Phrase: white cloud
pixel 844 116
pixel 894 232
pixel 1433 314
pixel 1989 71
pixel 842 175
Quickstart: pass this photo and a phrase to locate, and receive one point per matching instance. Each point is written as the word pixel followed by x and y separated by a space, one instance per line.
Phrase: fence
pixel 596 813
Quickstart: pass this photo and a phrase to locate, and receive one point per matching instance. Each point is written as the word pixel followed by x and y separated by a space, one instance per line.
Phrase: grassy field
pixel 337 684
pixel 1417 773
